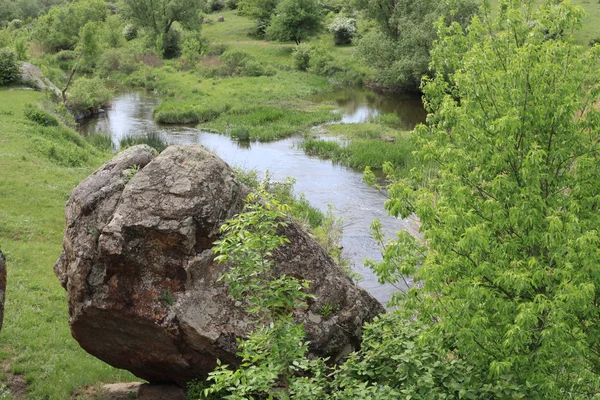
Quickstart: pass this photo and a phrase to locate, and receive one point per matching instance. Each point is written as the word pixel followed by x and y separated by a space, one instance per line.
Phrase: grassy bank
pixel 361 145
pixel 40 166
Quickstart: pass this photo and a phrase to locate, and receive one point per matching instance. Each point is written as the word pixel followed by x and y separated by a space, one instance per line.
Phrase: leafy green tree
pixel 399 46
pixel 295 20
pixel 258 10
pixel 59 29
pixel 158 16
pixel 510 213
pixel 10 70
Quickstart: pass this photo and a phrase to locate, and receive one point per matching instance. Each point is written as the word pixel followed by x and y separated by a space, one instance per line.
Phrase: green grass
pixel 40 166
pixel 269 107
pixel 362 145
pixel 591 23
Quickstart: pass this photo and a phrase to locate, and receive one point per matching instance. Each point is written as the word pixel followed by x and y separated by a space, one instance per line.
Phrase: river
pixel 322 182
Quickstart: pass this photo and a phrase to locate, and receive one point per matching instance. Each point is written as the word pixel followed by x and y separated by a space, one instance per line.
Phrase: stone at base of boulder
pixel 143 391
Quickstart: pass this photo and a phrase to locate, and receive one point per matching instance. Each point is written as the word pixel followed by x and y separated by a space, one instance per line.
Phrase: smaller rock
pixel 221 19
pixel 2 286
pixel 143 391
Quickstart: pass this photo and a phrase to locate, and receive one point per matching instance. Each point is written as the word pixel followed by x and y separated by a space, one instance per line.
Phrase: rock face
pixel 31 75
pixel 140 277
pixel 2 286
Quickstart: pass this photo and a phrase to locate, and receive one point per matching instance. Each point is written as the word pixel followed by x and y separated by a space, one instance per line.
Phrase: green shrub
pixel 216 49
pixel 213 6
pixel 130 32
pixel 231 4
pixel 89 94
pixel 301 57
pixel 343 29
pixel 172 44
pixel 594 41
pixel 234 62
pixel 113 60
pixel 40 117
pixel 10 70
pixel 322 62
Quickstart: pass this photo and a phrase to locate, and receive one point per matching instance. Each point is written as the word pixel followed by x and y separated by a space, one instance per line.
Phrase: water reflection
pixel 361 104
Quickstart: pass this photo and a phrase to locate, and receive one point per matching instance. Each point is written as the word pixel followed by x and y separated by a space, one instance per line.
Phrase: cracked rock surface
pixel 140 277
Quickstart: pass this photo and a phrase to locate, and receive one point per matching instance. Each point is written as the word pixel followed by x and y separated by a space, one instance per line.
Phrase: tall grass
pixel 101 141
pixel 152 139
pixel 361 153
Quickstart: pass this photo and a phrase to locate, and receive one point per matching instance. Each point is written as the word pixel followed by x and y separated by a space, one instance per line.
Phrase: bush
pixel 130 32
pixel 214 6
pixel 301 57
pixel 231 4
pixel 15 24
pixel 40 117
pixel 343 29
pixel 239 63
pixel 89 94
pixel 10 70
pixel 322 63
pixel 594 41
pixel 113 60
pixel 172 44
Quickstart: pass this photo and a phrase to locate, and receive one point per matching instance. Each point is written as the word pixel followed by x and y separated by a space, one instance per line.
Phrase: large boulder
pixel 141 281
pixel 34 77
pixel 2 286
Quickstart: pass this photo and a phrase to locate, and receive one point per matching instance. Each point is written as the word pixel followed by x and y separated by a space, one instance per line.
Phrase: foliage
pixel 231 4
pixel 39 116
pixel 274 352
pixel 59 28
pixel 130 32
pixel 213 6
pixel 302 57
pixel 295 20
pixel 343 29
pixel 258 10
pixel 399 46
pixel 510 217
pixel 10 69
pixel 160 16
pixel 89 93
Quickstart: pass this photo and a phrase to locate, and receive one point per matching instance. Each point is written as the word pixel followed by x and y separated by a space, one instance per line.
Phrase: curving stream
pixel 322 182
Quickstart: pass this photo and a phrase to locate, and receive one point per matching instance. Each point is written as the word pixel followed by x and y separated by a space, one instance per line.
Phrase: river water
pixel 322 182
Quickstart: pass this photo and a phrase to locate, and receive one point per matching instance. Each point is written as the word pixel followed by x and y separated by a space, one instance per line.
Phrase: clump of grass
pixel 101 141
pixel 240 133
pixel 39 116
pixel 361 153
pixel 178 112
pixel 152 139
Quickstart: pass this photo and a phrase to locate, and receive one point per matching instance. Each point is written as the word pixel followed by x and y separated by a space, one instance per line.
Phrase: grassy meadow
pixel 40 166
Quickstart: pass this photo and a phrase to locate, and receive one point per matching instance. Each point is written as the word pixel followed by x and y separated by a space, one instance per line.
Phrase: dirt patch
pixel 16 383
